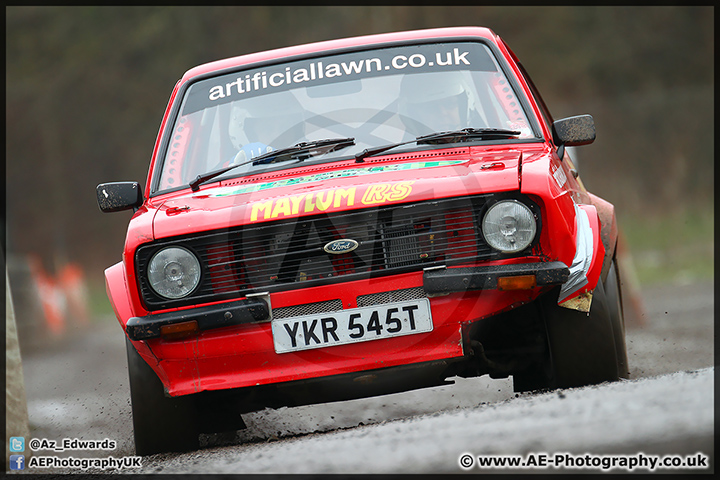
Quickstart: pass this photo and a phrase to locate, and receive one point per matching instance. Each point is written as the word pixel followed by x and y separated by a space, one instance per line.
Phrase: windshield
pixel 377 97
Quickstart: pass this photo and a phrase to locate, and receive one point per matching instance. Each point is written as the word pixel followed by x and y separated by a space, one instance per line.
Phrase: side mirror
pixel 118 196
pixel 574 131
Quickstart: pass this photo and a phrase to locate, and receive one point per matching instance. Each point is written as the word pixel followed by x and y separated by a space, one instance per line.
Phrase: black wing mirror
pixel 118 196
pixel 573 132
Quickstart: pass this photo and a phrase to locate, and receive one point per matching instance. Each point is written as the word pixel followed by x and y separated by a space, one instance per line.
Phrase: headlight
pixel 509 226
pixel 174 272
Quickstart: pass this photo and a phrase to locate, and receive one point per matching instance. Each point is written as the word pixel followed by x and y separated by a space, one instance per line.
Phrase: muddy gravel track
pixel 78 389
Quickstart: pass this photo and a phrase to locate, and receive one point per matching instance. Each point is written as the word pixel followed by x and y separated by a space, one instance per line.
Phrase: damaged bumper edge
pixel 583 256
pixel 584 270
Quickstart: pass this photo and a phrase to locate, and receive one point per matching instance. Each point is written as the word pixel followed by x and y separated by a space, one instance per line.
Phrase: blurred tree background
pixel 86 88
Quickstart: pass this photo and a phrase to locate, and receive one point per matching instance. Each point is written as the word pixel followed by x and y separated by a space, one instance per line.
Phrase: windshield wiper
pixel 452 136
pixel 303 150
pixel 299 151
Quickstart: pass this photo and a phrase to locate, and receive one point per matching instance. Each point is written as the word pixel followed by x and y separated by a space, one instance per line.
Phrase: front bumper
pixel 220 355
pixel 435 281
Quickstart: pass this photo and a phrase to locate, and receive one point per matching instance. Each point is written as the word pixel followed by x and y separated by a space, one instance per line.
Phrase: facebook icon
pixel 17 462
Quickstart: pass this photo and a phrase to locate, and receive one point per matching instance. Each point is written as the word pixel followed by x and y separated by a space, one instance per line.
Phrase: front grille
pixel 396 296
pixel 401 245
pixel 289 254
pixel 327 306
pixel 308 309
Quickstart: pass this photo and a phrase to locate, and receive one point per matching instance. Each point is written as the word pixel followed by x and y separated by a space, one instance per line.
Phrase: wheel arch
pixel 117 292
pixel 608 231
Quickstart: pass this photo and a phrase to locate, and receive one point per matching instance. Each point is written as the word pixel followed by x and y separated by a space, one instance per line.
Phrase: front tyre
pixel 614 299
pixel 160 423
pixel 581 346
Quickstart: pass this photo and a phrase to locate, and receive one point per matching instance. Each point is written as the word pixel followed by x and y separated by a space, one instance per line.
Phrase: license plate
pixel 352 326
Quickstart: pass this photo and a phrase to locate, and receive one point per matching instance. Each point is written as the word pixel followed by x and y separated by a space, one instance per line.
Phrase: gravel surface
pixel 79 389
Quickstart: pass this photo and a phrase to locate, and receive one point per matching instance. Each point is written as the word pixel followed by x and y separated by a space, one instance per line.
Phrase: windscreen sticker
pixel 319 177
pixel 330 200
pixel 337 68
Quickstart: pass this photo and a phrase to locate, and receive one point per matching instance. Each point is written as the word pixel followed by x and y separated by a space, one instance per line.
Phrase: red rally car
pixel 359 217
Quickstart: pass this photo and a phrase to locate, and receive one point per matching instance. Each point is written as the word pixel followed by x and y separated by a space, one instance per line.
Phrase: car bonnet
pixel 336 187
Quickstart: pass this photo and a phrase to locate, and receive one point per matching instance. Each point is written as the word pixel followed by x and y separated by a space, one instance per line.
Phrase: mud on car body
pixel 353 218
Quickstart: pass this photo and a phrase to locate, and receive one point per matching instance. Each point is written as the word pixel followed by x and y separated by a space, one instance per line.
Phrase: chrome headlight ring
pixel 174 272
pixel 509 226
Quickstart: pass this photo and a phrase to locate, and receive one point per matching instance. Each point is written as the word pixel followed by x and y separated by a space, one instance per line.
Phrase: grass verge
pixel 678 247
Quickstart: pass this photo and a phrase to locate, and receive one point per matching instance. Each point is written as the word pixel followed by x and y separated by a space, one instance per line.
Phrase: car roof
pixel 339 44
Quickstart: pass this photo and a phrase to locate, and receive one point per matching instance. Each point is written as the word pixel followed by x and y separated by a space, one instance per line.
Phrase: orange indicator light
pixel 177 331
pixel 520 282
